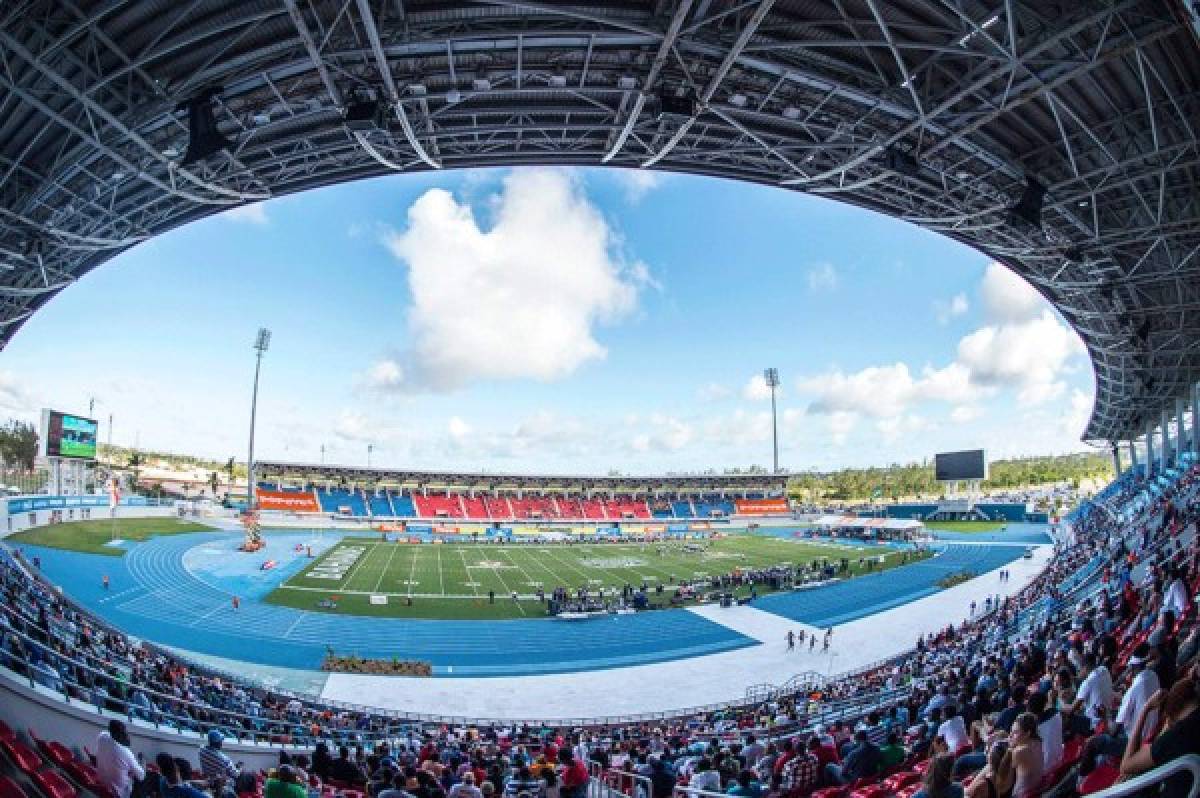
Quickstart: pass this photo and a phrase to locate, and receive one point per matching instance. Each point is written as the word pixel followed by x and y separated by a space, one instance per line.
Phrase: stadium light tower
pixel 261 343
pixel 771 376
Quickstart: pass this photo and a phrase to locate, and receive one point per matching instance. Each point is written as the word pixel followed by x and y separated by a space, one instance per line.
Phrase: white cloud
pixel 1008 298
pixel 964 414
pixel 458 429
pixel 757 390
pixel 1029 355
pixel 945 310
pixel 637 183
pixel 949 384
pixel 713 392
pixel 822 277
pixel 15 399
pixel 352 426
pixel 840 424
pixel 254 213
pixel 897 427
pixel 877 391
pixel 384 374
pixel 666 434
pixel 520 300
pixel 738 429
pixel 1077 416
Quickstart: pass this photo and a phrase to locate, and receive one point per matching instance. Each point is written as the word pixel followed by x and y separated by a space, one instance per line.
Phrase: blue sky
pixel 562 321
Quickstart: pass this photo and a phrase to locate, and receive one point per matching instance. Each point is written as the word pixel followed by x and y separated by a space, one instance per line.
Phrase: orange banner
pixel 294 501
pixel 760 506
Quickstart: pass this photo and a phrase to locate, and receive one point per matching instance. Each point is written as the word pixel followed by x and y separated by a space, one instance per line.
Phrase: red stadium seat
pixel 53 785
pixel 6 732
pixel 56 752
pixel 10 789
pixel 830 792
pixel 25 758
pixel 86 776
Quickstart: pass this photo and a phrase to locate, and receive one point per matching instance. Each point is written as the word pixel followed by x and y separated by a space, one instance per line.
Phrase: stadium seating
pixel 626 507
pixel 497 507
pixel 474 507
pixel 593 509
pixel 439 505
pixel 402 504
pixel 379 505
pixel 341 501
pixel 683 509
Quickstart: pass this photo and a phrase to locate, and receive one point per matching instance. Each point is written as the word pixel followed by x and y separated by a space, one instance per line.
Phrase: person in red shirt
pixel 574 779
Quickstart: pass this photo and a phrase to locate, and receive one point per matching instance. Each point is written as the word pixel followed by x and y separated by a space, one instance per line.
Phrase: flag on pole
pixel 114 494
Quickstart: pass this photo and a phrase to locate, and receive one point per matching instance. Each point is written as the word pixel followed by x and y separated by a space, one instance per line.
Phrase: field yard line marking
pixel 576 569
pixel 520 567
pixel 441 579
pixel 412 572
pixel 467 571
pixel 386 567
pixel 508 589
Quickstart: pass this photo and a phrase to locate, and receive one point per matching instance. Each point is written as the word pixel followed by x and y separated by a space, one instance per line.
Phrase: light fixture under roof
pixel 558 81
pixel 417 89
pixel 481 84
pixel 262 118
pixel 627 82
pixel 738 100
pixel 791 112
pixel 453 96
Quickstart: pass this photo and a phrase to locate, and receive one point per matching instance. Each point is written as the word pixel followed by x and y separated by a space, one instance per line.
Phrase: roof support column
pixel 1182 443
pixel 1116 455
pixel 1133 459
pixel 1165 455
pixel 1150 448
pixel 1196 418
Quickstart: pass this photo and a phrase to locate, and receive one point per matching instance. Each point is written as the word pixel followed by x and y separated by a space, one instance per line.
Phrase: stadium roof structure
pixel 1058 136
pixel 689 483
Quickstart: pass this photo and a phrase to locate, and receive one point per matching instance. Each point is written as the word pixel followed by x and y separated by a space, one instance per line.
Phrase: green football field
pixel 453 581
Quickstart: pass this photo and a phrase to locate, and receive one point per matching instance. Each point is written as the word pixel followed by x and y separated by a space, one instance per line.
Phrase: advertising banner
pixel 289 500
pixel 761 506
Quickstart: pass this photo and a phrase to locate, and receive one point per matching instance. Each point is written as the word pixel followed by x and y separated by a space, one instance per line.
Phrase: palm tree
pixel 135 462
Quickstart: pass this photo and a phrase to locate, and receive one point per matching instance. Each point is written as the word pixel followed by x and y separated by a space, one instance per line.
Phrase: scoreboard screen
pixel 960 466
pixel 66 435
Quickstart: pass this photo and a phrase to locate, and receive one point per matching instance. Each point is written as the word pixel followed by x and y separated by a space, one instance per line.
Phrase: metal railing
pixel 1189 764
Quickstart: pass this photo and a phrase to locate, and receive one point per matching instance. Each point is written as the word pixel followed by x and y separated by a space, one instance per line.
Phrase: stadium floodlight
pixel 771 376
pixel 262 342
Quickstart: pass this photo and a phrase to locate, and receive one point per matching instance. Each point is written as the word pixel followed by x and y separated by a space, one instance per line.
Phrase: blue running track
pixel 172 590
pixel 867 595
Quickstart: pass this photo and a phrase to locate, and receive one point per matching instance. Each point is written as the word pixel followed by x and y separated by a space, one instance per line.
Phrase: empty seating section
pixel 402 504
pixel 713 507
pixel 497 507
pixel 439 506
pixel 379 504
pixel 474 507
pixel 341 501
pixel 683 509
pixel 593 509
pixel 531 506
pixel 619 508
pixel 569 508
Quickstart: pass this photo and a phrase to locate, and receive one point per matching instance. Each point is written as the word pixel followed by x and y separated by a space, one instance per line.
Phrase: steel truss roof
pixel 1098 101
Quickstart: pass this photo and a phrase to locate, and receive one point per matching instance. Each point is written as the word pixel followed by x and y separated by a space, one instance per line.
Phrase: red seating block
pixel 56 752
pixel 10 789
pixel 24 757
pixel 53 785
pixel 830 792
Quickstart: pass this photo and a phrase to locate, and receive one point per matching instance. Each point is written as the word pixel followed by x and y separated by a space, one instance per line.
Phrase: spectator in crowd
pixel 345 770
pixel 861 760
pixel 802 771
pixel 1180 710
pixel 996 778
pixel 216 766
pixel 1025 752
pixel 284 784
pixel 171 783
pixel 939 780
pixel 746 786
pixel 467 789
pixel 116 765
pixel 705 777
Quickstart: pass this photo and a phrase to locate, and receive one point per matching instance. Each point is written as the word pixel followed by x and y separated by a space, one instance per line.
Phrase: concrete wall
pixel 18 522
pixel 76 725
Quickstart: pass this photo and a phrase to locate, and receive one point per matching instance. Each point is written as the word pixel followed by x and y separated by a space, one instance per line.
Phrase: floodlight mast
pixel 261 343
pixel 771 376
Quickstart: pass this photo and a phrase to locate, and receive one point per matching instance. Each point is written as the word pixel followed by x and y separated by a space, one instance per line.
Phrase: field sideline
pixel 453 581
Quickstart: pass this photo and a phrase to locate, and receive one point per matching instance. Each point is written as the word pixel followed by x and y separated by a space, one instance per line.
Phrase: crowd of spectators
pixel 1087 673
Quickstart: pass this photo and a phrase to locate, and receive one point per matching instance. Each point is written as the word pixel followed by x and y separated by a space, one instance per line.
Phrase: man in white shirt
pixel 115 763
pixel 1095 695
pixel 1176 599
pixel 954 731
pixel 1144 685
pixel 705 778
pixel 1050 729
